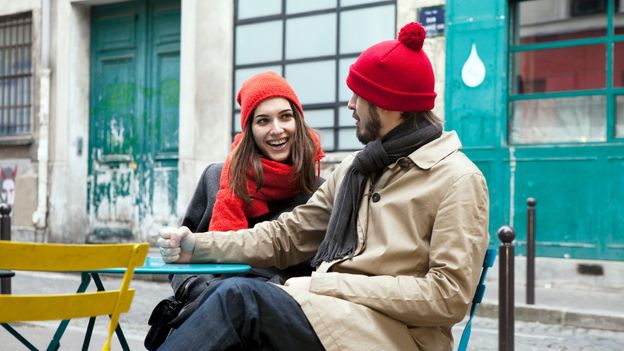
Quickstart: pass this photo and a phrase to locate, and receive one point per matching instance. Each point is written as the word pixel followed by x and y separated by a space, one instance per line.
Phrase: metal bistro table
pixel 153 265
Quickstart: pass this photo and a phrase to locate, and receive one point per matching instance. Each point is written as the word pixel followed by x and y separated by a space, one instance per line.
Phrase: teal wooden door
pixel 133 145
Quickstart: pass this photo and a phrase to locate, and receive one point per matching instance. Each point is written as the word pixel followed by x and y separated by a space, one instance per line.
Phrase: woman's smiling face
pixel 273 127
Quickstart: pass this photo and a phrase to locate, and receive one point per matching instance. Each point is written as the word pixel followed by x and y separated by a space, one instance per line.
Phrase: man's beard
pixel 368 130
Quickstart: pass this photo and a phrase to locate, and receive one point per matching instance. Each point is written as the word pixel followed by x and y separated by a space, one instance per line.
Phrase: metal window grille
pixel 332 104
pixel 15 74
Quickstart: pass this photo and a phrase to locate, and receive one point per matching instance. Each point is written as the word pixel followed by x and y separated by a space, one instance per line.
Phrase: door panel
pixel 113 152
pixel 615 212
pixel 134 119
pixel 567 218
pixel 165 60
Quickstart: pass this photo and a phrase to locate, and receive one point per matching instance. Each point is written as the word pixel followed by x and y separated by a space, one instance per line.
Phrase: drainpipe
pixel 39 217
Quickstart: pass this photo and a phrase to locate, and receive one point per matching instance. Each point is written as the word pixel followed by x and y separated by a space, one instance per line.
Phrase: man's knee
pixel 240 283
pixel 239 287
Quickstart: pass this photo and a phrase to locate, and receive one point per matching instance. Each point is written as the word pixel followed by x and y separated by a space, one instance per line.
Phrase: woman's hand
pixel 299 283
pixel 176 245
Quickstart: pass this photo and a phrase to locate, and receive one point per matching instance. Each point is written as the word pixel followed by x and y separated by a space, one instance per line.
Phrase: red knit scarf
pixel 230 211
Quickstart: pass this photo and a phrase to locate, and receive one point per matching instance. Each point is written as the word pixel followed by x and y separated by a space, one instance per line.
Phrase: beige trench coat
pixel 423 232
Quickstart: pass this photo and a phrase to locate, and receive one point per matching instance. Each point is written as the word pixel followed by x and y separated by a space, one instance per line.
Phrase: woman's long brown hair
pixel 247 154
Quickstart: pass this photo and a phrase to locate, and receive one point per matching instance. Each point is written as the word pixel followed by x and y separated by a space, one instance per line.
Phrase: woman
pixel 273 166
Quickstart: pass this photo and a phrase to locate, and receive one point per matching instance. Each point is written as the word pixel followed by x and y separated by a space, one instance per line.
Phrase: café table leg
pixel 56 340
pixel 19 337
pixel 87 338
pixel 118 331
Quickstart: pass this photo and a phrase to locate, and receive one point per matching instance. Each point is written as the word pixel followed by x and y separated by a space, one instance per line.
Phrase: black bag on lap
pixel 171 312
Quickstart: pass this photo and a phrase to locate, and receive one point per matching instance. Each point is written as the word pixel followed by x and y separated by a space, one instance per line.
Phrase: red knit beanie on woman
pixel 229 211
pixel 261 87
pixel 395 75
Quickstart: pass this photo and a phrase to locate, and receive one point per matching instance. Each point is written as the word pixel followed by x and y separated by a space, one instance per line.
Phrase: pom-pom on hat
pixel 261 87
pixel 396 74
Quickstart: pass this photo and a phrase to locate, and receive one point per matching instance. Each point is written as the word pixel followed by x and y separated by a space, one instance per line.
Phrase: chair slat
pixel 22 308
pixel 61 257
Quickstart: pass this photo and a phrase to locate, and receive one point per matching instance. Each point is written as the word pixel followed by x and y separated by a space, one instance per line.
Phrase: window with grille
pixel 312 44
pixel 568 72
pixel 15 74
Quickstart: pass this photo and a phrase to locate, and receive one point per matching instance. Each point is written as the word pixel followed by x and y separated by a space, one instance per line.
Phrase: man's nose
pixel 351 103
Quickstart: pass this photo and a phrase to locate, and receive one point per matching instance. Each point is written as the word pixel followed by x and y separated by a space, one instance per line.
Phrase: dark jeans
pixel 245 314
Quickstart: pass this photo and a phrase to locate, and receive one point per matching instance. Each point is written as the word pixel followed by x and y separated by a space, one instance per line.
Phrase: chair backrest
pixel 490 257
pixel 67 258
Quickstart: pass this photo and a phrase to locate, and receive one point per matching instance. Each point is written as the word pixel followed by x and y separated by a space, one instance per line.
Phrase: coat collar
pixel 435 151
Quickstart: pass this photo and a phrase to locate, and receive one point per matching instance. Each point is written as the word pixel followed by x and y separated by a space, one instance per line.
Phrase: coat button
pixel 404 163
pixel 376 197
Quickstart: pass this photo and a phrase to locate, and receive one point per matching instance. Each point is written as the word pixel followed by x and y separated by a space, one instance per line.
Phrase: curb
pixel 559 316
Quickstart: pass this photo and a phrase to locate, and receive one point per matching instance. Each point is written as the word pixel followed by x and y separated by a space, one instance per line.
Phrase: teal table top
pixel 155 265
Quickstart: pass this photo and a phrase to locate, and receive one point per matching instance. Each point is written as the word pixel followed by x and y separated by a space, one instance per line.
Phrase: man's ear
pixel 389 117
pixel 382 111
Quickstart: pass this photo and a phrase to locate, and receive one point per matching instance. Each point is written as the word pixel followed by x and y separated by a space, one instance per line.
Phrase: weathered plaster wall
pixel 69 121
pixel 205 90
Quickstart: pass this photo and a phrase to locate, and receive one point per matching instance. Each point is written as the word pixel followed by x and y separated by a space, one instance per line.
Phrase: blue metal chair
pixel 490 257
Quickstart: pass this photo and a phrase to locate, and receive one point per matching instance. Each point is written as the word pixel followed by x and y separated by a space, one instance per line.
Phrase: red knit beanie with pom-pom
pixel 396 74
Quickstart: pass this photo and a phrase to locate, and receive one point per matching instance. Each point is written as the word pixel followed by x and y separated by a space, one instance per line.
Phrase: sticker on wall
pixel 7 184
pixel 473 71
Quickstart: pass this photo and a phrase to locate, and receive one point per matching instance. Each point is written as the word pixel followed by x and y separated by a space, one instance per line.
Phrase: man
pixel 400 229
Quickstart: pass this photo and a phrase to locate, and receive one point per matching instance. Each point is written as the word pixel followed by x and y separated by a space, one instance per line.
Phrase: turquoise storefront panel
pixel 579 186
pixel 476 93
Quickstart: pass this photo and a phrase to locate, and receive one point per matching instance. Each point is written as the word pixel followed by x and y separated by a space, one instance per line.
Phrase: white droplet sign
pixel 473 71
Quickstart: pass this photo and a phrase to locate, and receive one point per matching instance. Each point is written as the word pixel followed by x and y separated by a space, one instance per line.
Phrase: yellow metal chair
pixel 21 256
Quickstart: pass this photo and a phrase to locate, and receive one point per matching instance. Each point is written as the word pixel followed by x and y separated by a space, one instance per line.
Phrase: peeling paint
pixel 140 197
pixel 116 132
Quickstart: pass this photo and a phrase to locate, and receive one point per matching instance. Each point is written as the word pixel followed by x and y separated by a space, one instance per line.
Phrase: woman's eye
pixel 286 116
pixel 262 121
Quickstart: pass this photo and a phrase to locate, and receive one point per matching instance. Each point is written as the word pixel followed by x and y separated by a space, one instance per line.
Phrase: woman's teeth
pixel 277 142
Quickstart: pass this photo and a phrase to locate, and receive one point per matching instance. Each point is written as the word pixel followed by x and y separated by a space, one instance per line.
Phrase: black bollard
pixel 506 289
pixel 530 254
pixel 5 234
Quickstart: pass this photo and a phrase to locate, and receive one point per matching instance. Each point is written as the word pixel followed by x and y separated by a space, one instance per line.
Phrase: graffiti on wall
pixel 7 184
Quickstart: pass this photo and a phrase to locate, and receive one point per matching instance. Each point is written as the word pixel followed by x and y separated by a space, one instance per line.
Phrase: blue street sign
pixel 432 18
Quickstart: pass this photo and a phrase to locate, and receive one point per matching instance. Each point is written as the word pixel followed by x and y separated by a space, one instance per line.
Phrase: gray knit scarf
pixel 341 236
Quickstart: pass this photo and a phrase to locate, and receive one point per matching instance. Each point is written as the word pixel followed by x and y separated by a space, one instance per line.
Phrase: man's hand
pixel 176 245
pixel 299 283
